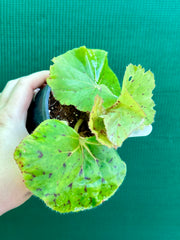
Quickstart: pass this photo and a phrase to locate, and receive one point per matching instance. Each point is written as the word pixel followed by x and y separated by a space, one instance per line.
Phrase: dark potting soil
pixel 69 114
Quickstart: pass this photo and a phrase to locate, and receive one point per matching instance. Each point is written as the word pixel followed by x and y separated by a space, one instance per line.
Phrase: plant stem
pixel 78 124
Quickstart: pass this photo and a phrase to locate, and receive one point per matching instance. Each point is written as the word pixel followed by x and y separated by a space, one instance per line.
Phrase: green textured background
pixel 147 206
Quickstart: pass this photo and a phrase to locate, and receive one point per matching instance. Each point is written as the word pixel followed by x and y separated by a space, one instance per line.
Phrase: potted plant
pixel 70 161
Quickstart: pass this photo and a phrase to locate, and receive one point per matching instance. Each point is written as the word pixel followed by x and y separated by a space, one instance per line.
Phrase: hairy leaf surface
pixel 77 76
pixel 68 172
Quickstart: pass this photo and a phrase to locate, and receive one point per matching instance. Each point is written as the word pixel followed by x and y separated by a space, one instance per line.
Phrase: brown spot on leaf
pixel 110 160
pixel 40 154
pixel 70 185
pixel 54 200
pixel 80 172
pixel 119 124
pixel 87 178
pixel 44 173
pixel 33 175
pixel 64 165
pixel 69 154
pixel 85 188
pixel 63 135
pixel 59 150
pixel 38 189
pixel 103 180
pixel 50 175
pixel 102 131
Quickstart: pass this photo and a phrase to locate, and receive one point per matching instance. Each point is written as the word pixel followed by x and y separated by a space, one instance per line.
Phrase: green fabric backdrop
pixel 147 206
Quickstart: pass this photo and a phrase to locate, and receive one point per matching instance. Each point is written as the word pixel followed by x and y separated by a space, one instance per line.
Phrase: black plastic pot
pixel 38 110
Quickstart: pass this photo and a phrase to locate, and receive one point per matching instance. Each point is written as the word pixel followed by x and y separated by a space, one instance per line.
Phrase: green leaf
pixel 113 125
pixel 140 85
pixel 68 172
pixel 122 119
pixel 77 76
pixel 132 111
pixel 96 122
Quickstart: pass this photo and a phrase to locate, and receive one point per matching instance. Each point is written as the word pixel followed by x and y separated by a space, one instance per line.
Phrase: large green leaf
pixel 68 172
pixel 77 76
pixel 132 111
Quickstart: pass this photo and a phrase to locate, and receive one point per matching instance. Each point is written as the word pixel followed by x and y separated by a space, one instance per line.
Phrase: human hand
pixel 14 103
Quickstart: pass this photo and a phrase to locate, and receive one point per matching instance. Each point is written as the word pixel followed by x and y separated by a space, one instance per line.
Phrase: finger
pixel 35 80
pixel 7 92
pixel 22 94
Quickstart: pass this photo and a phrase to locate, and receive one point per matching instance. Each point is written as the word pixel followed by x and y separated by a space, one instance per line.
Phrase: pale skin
pixel 14 103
